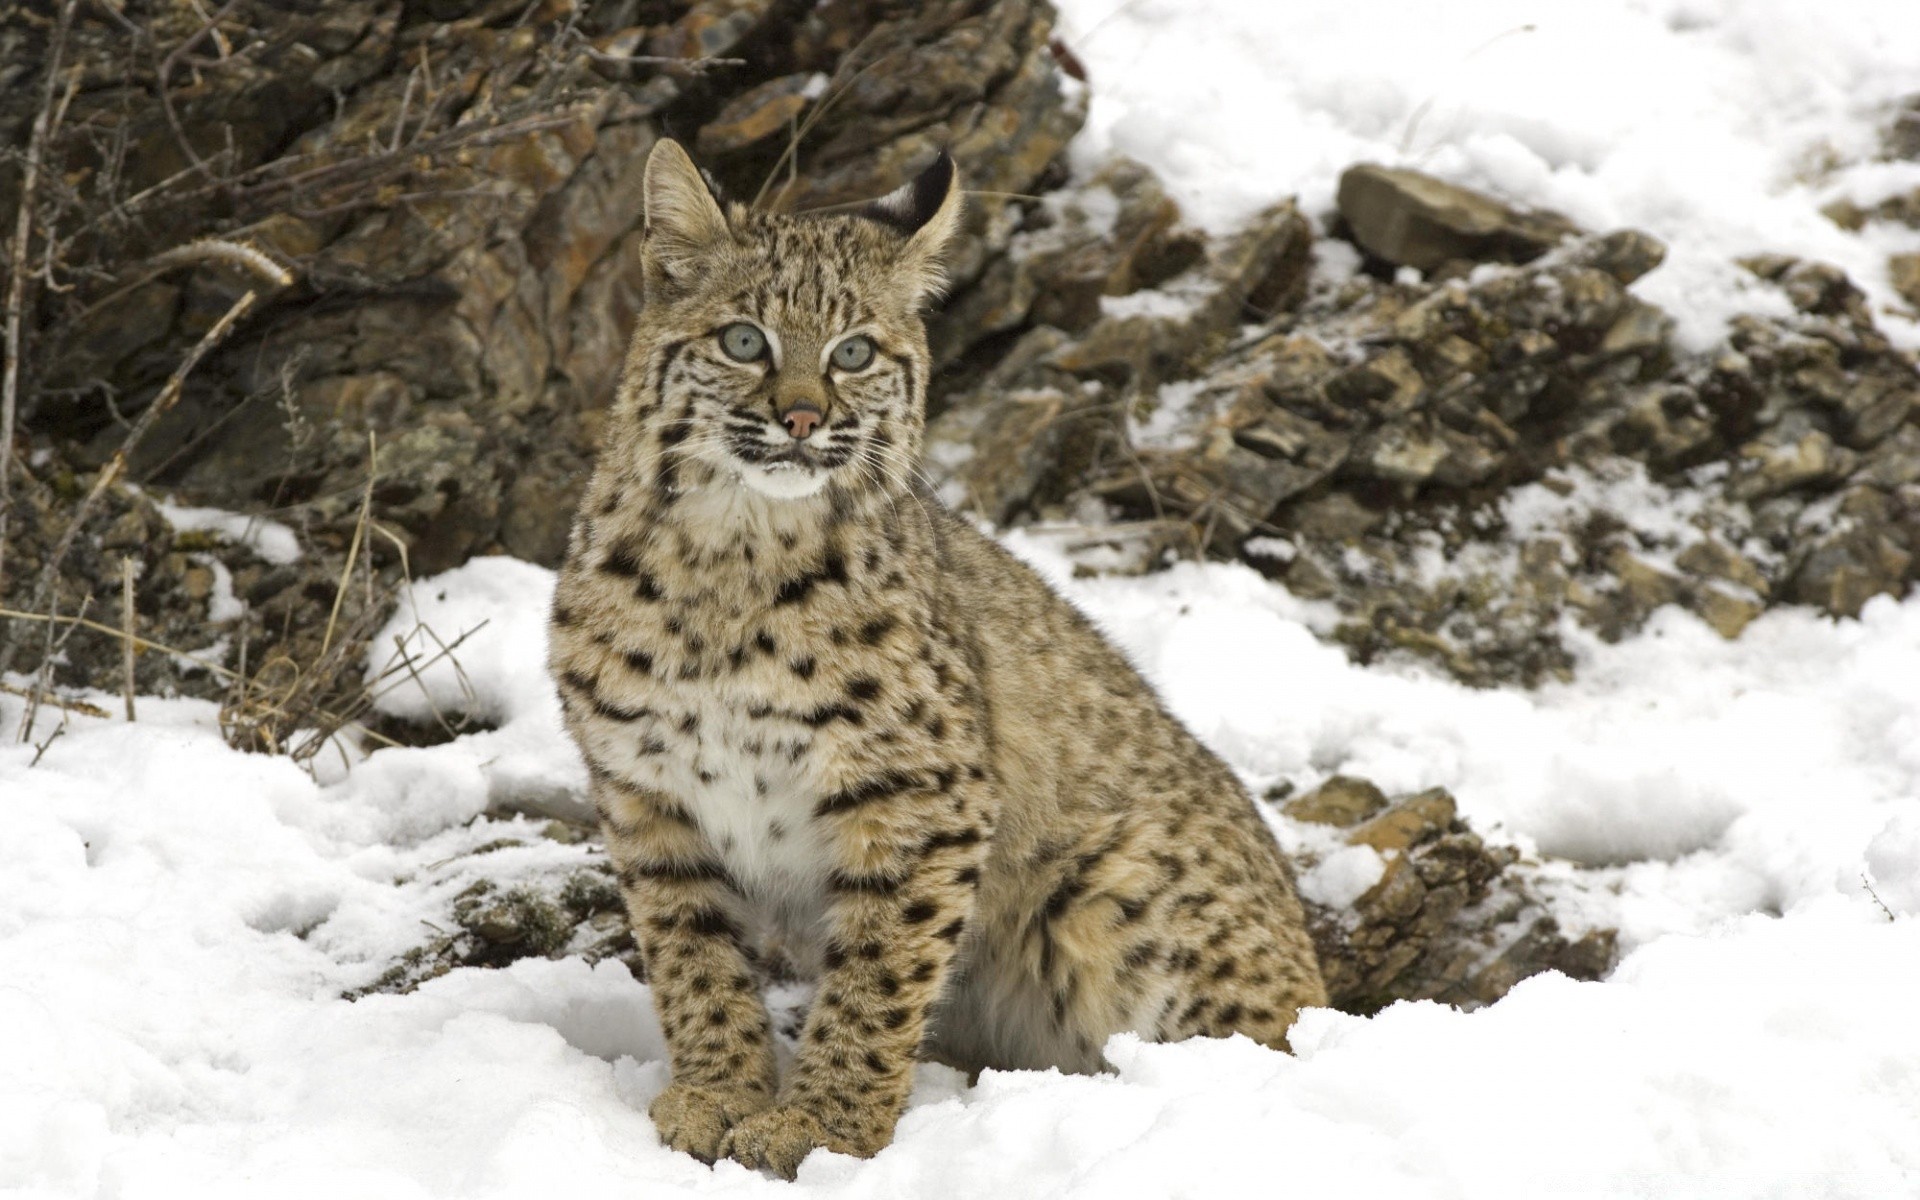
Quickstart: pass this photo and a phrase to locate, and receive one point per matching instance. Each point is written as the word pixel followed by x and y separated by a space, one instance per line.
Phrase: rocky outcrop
pixel 1456 460
pixel 454 190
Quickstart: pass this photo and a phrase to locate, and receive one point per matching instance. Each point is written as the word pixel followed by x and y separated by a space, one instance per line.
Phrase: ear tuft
pixel 683 216
pixel 927 210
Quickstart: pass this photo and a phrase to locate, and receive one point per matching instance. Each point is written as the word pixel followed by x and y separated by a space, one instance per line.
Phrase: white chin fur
pixel 784 483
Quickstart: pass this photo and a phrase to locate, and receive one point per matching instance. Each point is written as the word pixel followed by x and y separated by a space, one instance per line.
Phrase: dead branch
pixel 17 273
pixel 140 643
pixel 261 188
pixel 220 251
pixel 169 395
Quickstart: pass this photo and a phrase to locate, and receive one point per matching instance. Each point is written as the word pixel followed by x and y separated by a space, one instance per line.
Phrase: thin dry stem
pixel 126 625
pixel 43 678
pixel 353 547
pixel 836 89
pixel 143 644
pixel 165 71
pixel 62 703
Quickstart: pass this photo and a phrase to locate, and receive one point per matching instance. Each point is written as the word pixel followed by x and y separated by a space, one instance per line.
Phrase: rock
pixel 772 108
pixel 1727 610
pixel 1774 464
pixel 1625 254
pixel 1051 416
pixel 1904 272
pixel 1408 822
pixel 1894 462
pixel 1113 236
pixel 1373 464
pixel 128 531
pixel 1712 559
pixel 1865 553
pixel 709 29
pixel 1450 918
pixel 1341 801
pixel 1414 220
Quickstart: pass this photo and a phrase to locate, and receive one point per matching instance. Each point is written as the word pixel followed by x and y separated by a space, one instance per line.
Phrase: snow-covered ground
pixel 1720 126
pixel 178 921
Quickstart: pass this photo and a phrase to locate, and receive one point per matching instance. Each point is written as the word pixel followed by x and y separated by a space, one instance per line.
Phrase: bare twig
pixel 676 66
pixel 388 672
pixel 406 103
pixel 222 251
pixel 1866 881
pixel 219 250
pixel 406 659
pixel 43 678
pixel 264 188
pixel 65 704
pixel 17 273
pixel 40 751
pixel 126 624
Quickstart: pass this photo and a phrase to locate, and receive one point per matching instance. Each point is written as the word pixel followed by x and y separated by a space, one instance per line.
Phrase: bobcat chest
pixel 749 779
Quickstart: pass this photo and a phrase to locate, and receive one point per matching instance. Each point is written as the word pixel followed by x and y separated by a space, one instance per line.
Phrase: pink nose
pixel 802 419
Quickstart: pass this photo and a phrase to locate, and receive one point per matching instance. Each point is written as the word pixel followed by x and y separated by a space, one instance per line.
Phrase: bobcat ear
pixel 928 211
pixel 683 216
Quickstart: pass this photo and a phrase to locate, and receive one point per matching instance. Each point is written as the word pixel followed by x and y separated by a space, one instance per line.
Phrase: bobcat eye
pixel 854 353
pixel 742 342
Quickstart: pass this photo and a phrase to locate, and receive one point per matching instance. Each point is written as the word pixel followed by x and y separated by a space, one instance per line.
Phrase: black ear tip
pixel 915 203
pixel 930 189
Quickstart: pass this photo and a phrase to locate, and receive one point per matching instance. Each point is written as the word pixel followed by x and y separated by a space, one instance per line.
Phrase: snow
pixel 1719 126
pixel 1343 876
pixel 1169 425
pixel 179 921
pixel 272 541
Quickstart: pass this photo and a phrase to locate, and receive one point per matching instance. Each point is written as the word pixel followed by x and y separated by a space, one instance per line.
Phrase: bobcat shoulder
pixel 817 706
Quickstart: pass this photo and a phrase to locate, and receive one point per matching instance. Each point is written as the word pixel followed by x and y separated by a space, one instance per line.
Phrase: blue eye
pixel 742 342
pixel 853 353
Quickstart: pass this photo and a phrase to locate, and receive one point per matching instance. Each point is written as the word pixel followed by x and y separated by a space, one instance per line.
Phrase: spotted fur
pixel 817 706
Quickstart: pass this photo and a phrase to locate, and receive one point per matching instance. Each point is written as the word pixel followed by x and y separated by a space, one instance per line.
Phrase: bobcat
pixel 817 706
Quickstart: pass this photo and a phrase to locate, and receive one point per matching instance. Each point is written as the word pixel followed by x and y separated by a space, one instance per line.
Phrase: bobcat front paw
pixel 779 1138
pixel 695 1120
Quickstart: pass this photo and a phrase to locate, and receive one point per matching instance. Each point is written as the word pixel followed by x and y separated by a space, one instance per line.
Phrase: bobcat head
pixel 782 354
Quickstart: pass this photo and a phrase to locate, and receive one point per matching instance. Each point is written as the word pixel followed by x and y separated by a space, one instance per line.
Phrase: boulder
pixel 1414 220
